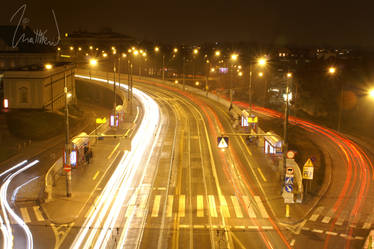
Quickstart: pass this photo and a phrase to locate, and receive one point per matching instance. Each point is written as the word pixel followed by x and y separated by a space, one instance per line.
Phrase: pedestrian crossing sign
pixel 223 142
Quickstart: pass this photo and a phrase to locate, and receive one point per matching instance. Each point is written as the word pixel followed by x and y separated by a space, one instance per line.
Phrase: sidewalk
pixel 85 181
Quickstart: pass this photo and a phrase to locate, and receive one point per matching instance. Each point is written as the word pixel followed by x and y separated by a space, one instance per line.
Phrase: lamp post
pixel 285 124
pixel 67 141
pixel 234 58
pixel 332 72
pixel 49 67
pixel 261 62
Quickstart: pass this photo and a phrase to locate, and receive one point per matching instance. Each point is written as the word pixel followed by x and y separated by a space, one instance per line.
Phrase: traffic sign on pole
pixel 223 142
pixel 308 170
pixel 288 188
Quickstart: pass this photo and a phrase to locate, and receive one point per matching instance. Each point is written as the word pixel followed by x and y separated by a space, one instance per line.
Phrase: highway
pixel 176 189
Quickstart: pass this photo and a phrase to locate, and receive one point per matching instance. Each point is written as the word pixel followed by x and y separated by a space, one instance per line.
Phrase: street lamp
pixel 260 74
pixel 332 70
pixel 371 93
pixel 233 57
pixel 48 66
pixel 175 50
pixel 260 62
pixel 93 63
pixel 285 124
pixel 217 53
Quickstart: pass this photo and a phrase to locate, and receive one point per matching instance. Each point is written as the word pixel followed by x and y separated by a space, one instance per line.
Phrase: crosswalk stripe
pixel 261 206
pixel 182 206
pixel 156 206
pixel 328 216
pixel 25 215
pixel 316 214
pixel 251 212
pixel 200 206
pixel 130 206
pixel 224 207
pixel 38 214
pixel 141 208
pixel 341 218
pixel 212 206
pixel 238 211
pixel 169 208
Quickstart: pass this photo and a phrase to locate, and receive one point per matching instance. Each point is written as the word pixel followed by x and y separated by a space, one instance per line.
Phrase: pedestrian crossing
pixel 31 214
pixel 200 206
pixel 327 215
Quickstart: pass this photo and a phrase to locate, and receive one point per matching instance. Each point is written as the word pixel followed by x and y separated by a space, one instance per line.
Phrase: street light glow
pixel 261 61
pixel 93 62
pixel 332 70
pixel 260 74
pixel 136 52
pixel 234 57
pixel 71 48
pixel 105 54
pixel 175 50
pixel 197 83
pixel 217 53
pixel 212 70
pixel 91 47
pixel 124 55
pixel 48 66
pixel 371 93
pixel 289 75
pixel 157 49
pixel 240 74
pixel 195 51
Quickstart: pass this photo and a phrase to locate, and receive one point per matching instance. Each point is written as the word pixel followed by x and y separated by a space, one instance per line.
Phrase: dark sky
pixel 302 22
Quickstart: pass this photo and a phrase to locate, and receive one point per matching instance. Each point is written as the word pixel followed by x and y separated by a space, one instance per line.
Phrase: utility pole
pixel 114 89
pixel 67 141
pixel 250 89
pixel 163 67
pixel 183 72
pixel 285 124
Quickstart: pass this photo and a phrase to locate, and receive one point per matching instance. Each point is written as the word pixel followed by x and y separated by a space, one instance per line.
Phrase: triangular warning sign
pixel 308 163
pixel 222 142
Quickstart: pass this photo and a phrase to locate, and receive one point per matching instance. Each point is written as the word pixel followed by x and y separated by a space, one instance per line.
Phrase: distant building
pixel 34 87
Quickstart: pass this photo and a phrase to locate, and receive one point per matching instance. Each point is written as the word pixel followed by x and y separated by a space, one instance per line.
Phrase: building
pixel 35 87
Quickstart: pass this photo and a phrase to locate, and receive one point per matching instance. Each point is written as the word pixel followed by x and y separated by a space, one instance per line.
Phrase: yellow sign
pixel 253 120
pixel 308 170
pixel 100 120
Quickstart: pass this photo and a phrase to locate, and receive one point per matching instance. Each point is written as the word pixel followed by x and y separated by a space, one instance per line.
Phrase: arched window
pixel 23 95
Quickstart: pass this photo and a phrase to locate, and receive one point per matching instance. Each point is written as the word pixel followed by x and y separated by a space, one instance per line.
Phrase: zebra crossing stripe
pixel 130 206
pixel 156 206
pixel 238 211
pixel 141 208
pixel 247 202
pixel 25 215
pixel 316 214
pixel 38 214
pixel 182 205
pixel 200 206
pixel 212 206
pixel 169 208
pixel 342 217
pixel 261 206
pixel 328 216
pixel 224 208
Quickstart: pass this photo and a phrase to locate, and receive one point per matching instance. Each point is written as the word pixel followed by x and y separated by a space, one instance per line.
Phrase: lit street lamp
pixel 285 124
pixel 261 62
pixel 371 93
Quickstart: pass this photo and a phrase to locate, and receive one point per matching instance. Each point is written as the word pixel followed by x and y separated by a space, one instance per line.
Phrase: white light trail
pixel 97 229
pixel 7 210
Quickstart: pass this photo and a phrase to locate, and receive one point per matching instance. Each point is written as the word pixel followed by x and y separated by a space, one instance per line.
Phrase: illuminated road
pixel 343 217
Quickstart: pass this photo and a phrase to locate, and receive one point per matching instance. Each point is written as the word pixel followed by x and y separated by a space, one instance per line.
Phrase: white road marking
pixel 212 206
pixel 182 206
pixel 238 211
pixel 292 243
pixel 341 218
pixel 317 231
pixel 331 233
pixel 248 205
pixel 38 214
pixel 316 214
pixel 224 208
pixel 25 215
pixel 261 206
pixel 130 206
pixel 156 206
pixel 200 206
pixel 169 208
pixel 328 216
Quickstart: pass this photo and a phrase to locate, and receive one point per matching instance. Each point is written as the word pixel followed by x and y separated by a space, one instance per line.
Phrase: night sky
pixel 299 22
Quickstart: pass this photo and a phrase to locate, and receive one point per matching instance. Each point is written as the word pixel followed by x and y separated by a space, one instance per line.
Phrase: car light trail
pixel 8 211
pixel 97 229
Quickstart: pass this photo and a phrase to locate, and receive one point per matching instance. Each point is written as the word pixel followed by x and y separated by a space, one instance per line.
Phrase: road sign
pixel 288 188
pixel 308 173
pixel 288 180
pixel 114 120
pixel 308 170
pixel 289 171
pixel 252 120
pixel 100 120
pixel 223 142
pixel 290 154
pixel 244 122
